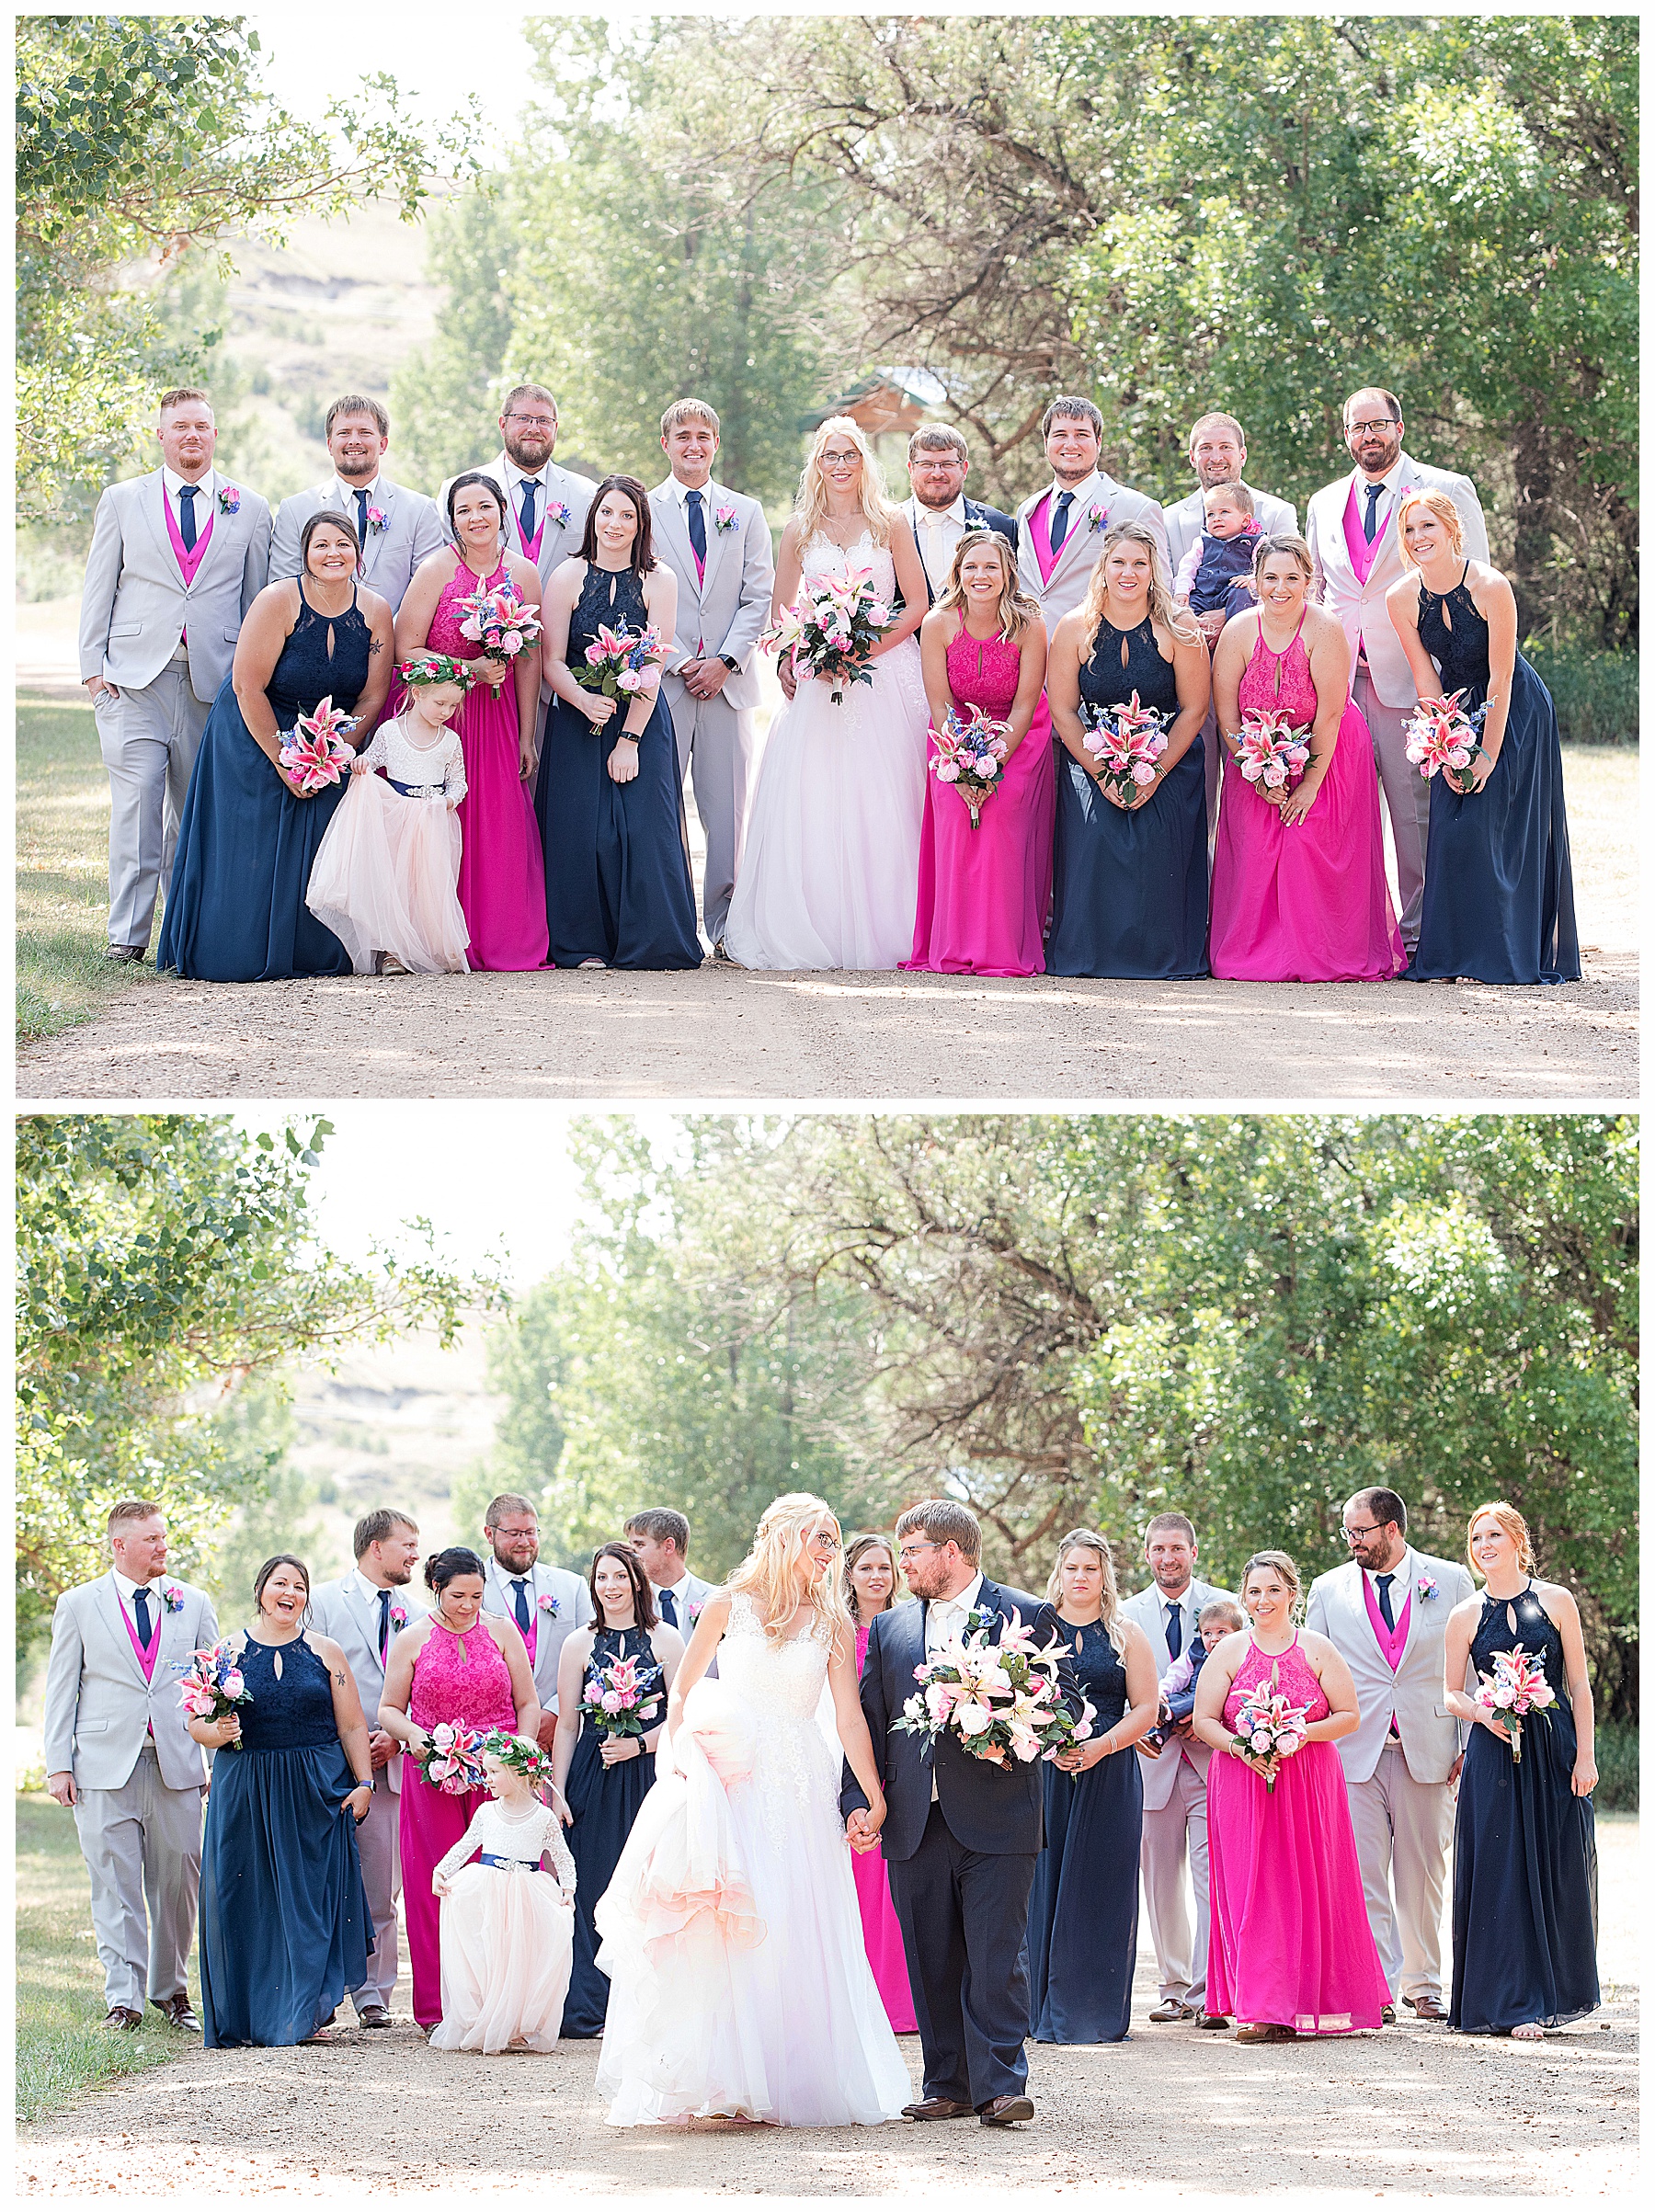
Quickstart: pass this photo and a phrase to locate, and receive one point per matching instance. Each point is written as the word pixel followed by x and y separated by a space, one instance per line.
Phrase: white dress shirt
pixel 936 531
pixel 515 480
pixel 371 1590
pixel 204 490
pixel 1085 494
pixel 682 1601
pixel 1382 505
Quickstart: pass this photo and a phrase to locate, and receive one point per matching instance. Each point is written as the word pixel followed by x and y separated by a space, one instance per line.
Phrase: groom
pixel 961 1835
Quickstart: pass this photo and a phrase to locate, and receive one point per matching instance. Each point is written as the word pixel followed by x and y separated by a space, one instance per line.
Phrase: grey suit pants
pixel 1402 1829
pixel 143 1847
pixel 380 1850
pixel 716 744
pixel 149 739
pixel 1407 799
pixel 1176 1836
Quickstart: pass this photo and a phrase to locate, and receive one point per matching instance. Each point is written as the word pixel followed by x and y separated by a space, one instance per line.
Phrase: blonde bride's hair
pixel 812 505
pixel 766 1575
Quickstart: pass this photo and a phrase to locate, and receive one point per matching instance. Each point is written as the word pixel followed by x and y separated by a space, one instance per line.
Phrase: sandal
pixel 1267 2031
pixel 1528 2030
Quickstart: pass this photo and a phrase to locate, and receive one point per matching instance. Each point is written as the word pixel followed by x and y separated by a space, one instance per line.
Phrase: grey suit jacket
pixel 1075 563
pixel 99 1709
pixel 691 1592
pixel 1188 519
pixel 1335 585
pixel 573 1604
pixel 135 604
pixel 340 1610
pixel 1147 1608
pixel 1431 1738
pixel 413 532
pixel 726 610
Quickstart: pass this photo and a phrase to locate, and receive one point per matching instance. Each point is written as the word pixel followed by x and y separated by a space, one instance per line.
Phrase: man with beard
pixel 364 1612
pixel 1355 556
pixel 398 528
pixel 939 512
pixel 547 1603
pixel 1175 1818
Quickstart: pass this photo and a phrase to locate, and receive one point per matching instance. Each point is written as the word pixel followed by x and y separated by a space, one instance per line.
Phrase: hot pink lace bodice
pixel 1280 680
pixel 1295 1679
pixel 443 636
pixel 984 672
pixel 475 1688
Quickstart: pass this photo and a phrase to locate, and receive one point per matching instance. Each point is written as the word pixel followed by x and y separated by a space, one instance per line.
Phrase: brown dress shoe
pixel 374 2015
pixel 176 2012
pixel 1004 2112
pixel 122 2016
pixel 938 2108
pixel 1426 2008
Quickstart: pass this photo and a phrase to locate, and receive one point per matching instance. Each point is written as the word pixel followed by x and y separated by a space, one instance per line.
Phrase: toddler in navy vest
pixel 1222 1617
pixel 1213 578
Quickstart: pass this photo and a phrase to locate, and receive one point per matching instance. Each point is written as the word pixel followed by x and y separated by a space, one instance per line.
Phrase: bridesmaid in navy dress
pixel 285 1924
pixel 609 797
pixel 1498 893
pixel 235 910
pixel 1129 893
pixel 1083 1910
pixel 606 1777
pixel 1524 1840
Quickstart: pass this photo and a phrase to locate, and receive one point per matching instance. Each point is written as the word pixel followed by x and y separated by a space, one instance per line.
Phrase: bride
pixel 740 1984
pixel 830 871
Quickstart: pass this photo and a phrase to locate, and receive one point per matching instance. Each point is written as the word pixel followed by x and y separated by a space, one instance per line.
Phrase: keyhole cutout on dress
pixel 614 586
pixel 1512 1618
pixel 1447 615
pixel 330 641
pixel 1126 652
pixel 276 1664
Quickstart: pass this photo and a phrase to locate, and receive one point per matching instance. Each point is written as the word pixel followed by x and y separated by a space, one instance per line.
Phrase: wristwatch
pixel 733 666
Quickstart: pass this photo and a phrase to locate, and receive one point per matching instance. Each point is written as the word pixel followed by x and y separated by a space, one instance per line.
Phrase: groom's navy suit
pixel 961 1864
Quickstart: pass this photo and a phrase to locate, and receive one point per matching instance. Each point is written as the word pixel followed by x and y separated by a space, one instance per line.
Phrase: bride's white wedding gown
pixel 739 1981
pixel 830 870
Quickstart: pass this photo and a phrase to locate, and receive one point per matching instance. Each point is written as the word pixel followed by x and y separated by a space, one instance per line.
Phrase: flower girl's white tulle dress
pixel 507 1934
pixel 731 1933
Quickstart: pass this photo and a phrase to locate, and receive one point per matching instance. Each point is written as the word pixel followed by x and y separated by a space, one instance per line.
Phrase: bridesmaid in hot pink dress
pixel 983 891
pixel 869 1585
pixel 1299 893
pixel 1290 1952
pixel 502 883
pixel 459 1664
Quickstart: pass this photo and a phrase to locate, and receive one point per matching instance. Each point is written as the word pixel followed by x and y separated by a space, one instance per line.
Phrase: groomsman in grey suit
pixel 661 1538
pixel 1355 557
pixel 1385 1611
pixel 364 1612
pixel 717 543
pixel 1060 530
pixel 548 1604
pixel 118 1752
pixel 177 558
pixel 1175 1820
pixel 1218 455
pixel 546 505
pixel 398 528
pixel 938 510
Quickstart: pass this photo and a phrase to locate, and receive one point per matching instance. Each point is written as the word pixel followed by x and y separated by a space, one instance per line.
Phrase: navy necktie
pixel 140 1607
pixel 698 525
pixel 1370 522
pixel 520 1584
pixel 187 521
pixel 1385 1613
pixel 1174 1631
pixel 526 519
pixel 668 1605
pixel 1060 509
pixel 384 1626
pixel 361 500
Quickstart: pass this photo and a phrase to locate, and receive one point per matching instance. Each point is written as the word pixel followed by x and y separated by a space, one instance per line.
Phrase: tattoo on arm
pixel 376 648
pixel 339 1678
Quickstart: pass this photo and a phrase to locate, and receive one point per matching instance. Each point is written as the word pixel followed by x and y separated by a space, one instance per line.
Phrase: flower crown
pixel 518 1753
pixel 434 668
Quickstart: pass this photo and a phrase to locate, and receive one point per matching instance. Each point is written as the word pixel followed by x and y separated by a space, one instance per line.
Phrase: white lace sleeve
pixel 453 780
pixel 374 752
pixel 557 1851
pixel 449 1865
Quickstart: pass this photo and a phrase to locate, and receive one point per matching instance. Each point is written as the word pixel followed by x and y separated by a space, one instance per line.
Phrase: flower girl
pixel 386 873
pixel 508 1928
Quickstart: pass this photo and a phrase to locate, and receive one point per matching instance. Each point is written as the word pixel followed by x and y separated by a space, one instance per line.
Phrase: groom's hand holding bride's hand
pixel 861 1829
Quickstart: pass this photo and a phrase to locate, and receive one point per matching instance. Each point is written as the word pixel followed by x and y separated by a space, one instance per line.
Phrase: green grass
pixel 61 2050
pixel 63 872
pixel 1615 1743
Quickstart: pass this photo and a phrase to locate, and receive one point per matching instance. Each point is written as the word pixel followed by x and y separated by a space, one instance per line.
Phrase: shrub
pixel 1595 694
pixel 1616 1744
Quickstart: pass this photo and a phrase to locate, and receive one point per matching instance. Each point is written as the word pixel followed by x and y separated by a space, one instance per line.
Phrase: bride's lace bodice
pixel 780 1685
pixel 822 558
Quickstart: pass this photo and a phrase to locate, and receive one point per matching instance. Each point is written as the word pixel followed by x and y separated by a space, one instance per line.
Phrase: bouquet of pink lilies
pixel 1443 739
pixel 831 629
pixel 499 622
pixel 619 1697
pixel 616 659
pixel 1516 1688
pixel 1000 1701
pixel 1127 741
pixel 1269 1726
pixel 212 1685
pixel 1271 748
pixel 315 754
pixel 451 1759
pixel 971 754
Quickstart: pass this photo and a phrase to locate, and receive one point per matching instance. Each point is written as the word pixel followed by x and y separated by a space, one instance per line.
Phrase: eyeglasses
pixel 822 1537
pixel 1360 429
pixel 911 1551
pixel 1355 1535
pixel 535 422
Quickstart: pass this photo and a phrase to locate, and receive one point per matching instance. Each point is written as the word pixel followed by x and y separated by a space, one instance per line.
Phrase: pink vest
pixel 188 560
pixel 530 552
pixel 147 1656
pixel 531 1639
pixel 1040 535
pixel 1363 554
pixel 1393 1642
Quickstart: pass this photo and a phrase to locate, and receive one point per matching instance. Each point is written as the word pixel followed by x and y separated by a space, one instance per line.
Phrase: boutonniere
pixel 399 1616
pixel 172 1596
pixel 229 499
pixel 692 1613
pixel 547 1604
pixel 557 513
pixel 1426 1585
pixel 377 521
pixel 724 518
pixel 1098 517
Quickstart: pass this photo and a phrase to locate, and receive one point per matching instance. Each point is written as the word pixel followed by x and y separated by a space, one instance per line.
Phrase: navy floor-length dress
pixel 1499 902
pixel 604 1801
pixel 1129 894
pixel 617 882
pixel 1524 1854
pixel 1083 1910
pixel 235 910
pixel 285 1924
